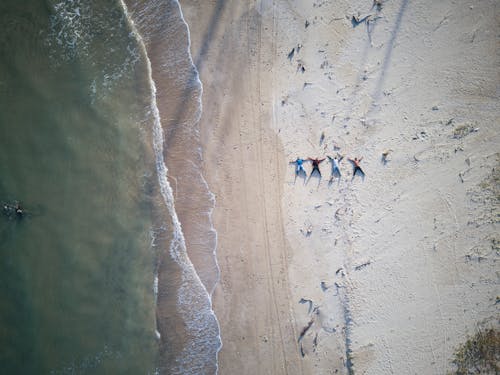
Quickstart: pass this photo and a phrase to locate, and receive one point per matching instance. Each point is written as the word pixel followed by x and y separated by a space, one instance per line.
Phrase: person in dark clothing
pixel 315 163
pixel 19 210
pixel 13 211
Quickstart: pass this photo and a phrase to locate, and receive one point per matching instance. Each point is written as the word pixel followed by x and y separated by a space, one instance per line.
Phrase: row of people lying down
pixel 299 162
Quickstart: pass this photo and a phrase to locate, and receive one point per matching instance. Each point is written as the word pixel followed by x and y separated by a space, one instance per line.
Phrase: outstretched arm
pixel 361 158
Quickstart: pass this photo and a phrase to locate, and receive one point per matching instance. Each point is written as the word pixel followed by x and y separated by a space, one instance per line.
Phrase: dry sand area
pixel 382 275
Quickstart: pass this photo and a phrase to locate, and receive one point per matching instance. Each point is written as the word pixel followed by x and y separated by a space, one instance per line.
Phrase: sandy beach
pixel 382 274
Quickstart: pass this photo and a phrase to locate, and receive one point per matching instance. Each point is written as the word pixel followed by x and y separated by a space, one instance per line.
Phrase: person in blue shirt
pixel 300 166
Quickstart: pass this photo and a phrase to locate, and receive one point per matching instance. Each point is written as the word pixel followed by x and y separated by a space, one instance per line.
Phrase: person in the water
pixel 11 210
pixel 19 210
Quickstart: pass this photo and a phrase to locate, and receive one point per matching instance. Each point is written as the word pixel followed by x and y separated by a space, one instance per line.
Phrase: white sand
pixel 408 256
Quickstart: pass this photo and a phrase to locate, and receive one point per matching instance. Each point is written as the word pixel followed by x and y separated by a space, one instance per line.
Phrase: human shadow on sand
pixel 301 174
pixel 335 175
pixel 314 173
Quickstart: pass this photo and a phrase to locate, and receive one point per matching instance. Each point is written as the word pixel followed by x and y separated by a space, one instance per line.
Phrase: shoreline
pixel 187 328
pixel 357 274
pixel 251 302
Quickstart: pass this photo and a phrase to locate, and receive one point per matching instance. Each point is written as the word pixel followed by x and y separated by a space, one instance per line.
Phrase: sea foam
pixel 194 301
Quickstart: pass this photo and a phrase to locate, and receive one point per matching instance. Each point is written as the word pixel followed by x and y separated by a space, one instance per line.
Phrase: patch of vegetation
pixel 491 185
pixel 488 190
pixel 480 354
pixel 463 130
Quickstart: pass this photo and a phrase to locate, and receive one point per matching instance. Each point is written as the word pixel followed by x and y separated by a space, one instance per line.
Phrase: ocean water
pixel 99 274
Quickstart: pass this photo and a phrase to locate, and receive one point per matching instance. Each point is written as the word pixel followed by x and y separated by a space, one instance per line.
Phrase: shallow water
pixel 77 270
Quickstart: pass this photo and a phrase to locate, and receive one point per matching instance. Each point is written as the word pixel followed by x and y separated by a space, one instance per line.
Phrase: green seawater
pixel 77 269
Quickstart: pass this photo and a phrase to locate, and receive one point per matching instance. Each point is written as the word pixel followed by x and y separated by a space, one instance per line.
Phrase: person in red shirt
pixel 357 168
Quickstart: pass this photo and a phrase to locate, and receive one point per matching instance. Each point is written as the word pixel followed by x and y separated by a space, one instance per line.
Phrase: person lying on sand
pixel 385 156
pixel 316 163
pixel 335 165
pixel 300 168
pixel 357 168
